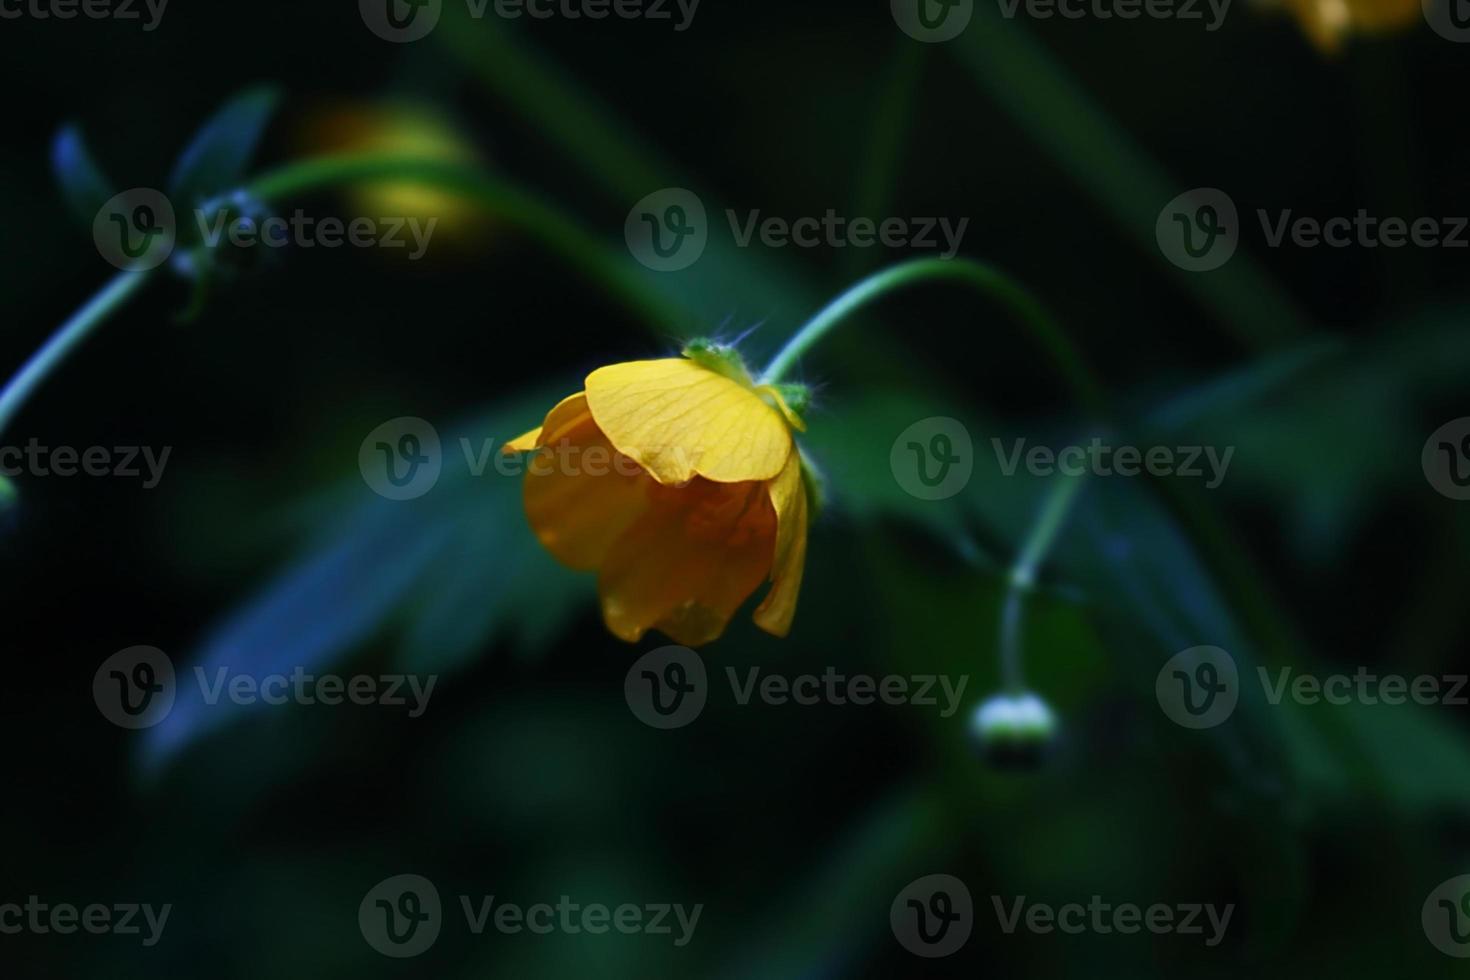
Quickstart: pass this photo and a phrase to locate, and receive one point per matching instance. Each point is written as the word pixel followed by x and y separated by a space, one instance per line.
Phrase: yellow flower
pixel 408 129
pixel 679 482
pixel 1329 22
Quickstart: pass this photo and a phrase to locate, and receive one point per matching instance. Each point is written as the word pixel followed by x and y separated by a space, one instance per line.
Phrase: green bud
pixel 797 397
pixel 1014 731
pixel 720 358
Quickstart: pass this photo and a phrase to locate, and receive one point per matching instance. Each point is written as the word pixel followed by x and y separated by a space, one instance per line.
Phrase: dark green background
pixel 795 827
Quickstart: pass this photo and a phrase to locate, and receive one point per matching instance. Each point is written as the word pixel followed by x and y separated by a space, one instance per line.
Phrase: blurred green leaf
pixel 1354 754
pixel 853 884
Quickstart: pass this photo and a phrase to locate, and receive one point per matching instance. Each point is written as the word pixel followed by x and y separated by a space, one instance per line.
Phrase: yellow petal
pixel 788 498
pixel 679 420
pixel 567 412
pixel 690 560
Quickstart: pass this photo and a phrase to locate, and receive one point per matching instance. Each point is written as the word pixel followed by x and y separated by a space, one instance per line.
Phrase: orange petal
pixel 523 443
pixel 580 495
pixel 689 561
pixel 679 420
pixel 788 498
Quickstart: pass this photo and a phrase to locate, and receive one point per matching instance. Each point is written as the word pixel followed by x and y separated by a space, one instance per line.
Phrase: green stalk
pixel 1023 576
pixel 499 198
pixel 67 338
pixel 1063 354
pixel 1056 110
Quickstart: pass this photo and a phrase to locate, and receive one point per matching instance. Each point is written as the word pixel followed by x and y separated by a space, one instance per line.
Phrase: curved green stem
pixel 65 340
pixel 1063 354
pixel 500 198
pixel 1023 575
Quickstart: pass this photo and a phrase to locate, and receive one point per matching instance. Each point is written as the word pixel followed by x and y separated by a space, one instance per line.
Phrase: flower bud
pixel 720 358
pixel 1013 731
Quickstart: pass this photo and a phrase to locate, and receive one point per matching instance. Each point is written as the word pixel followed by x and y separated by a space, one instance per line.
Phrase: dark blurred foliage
pixel 529 778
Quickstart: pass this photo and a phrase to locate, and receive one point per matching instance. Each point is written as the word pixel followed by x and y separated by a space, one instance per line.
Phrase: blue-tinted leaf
pixel 1123 551
pixel 454 568
pixel 1143 572
pixel 320 607
pixel 83 184
pixel 1323 430
pixel 1144 576
pixel 217 157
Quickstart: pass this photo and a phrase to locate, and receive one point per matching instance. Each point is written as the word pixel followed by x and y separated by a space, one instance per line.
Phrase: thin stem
pixel 321 172
pixel 1044 532
pixel 1010 644
pixel 1063 354
pixel 500 198
pixel 1022 579
pixel 71 333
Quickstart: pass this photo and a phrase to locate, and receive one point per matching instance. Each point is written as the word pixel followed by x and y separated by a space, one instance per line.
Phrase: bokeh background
pixel 1325 549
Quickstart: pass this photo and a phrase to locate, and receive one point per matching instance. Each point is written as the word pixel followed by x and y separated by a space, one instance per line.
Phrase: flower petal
pixel 788 498
pixel 580 495
pixel 568 411
pixel 679 420
pixel 685 566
